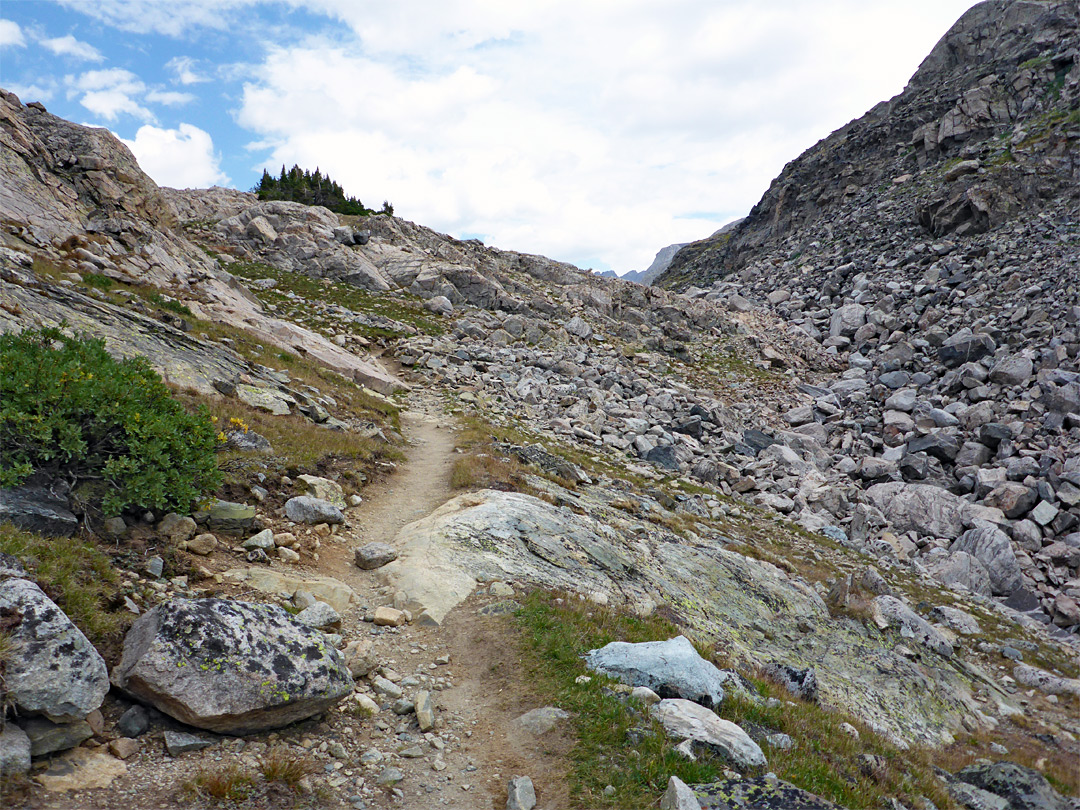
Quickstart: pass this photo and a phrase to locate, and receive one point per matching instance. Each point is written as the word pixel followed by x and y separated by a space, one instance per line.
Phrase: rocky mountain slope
pixel 862 515
pixel 932 245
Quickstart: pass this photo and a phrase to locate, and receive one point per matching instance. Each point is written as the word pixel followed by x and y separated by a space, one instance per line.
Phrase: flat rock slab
pixel 230 667
pixel 81 769
pixel 686 720
pixel 758 793
pixel 672 669
pixel 55 670
pixel 541 721
pixel 268 580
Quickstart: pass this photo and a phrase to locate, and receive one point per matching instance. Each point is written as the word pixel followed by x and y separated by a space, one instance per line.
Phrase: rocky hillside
pixel 495 531
pixel 932 246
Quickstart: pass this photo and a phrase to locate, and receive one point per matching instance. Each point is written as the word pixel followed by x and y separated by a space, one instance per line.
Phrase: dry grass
pixel 220 784
pixel 485 471
pixel 282 765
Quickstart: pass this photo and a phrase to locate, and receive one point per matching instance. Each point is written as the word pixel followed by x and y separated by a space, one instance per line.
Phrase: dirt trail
pixel 489 687
pixel 419 486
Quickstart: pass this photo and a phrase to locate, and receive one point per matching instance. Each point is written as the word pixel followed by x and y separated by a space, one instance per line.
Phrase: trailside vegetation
pixel 70 411
pixel 313 188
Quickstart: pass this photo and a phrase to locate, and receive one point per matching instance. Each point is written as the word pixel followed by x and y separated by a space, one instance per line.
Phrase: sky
pixel 591 131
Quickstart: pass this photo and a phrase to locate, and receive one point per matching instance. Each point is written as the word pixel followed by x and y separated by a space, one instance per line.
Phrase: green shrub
pixel 68 409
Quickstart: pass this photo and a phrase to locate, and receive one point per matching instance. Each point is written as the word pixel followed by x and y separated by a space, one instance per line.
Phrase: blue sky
pixel 591 131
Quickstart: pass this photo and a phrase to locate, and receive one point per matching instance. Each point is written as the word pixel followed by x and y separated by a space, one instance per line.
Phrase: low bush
pixel 71 411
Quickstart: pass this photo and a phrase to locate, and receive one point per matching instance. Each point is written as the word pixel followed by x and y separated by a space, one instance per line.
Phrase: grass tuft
pixel 220 784
pixel 75 574
pixel 282 765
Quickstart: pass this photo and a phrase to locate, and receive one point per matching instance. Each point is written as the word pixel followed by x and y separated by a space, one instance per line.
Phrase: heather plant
pixel 70 411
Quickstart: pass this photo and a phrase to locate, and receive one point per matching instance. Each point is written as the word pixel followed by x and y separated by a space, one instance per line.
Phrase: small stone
pixel 520 794
pixel 180 742
pixel 263 540
pixel 155 566
pixel 14 750
pixel 679 796
pixel 202 544
pixel 425 710
pixel 123 747
pixel 389 617
pixel 389 776
pixel 374 555
pixel 287 555
pixel 319 615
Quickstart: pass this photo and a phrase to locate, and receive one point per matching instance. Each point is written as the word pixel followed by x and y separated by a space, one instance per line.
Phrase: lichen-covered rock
pixel 757 793
pixel 55 670
pixel 891 612
pixel 672 669
pixel 230 667
pixel 1023 788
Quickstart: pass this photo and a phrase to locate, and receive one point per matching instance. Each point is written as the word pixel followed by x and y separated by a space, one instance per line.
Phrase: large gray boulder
pixel 686 720
pixel 757 793
pixel 992 548
pixel 672 669
pixel 926 509
pixel 230 667
pixel 307 509
pixel 55 670
pixel 961 568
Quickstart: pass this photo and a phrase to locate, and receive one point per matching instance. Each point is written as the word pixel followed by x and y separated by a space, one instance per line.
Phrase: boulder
pixel 1023 788
pixel 961 568
pixel 38 510
pixel 230 518
pixel 686 720
pixel 672 669
pixel 757 793
pixel 923 508
pixel 47 737
pixel 55 670
pixel 1012 498
pixel 965 347
pixel 800 682
pixel 230 667
pixel 306 509
pixel 992 548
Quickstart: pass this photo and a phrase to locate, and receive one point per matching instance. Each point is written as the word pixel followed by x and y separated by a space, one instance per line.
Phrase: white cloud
pixel 184 69
pixel 170 98
pixel 180 158
pixel 110 93
pixel 11 35
pixel 561 129
pixel 69 46
pixel 155 17
pixel 33 92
